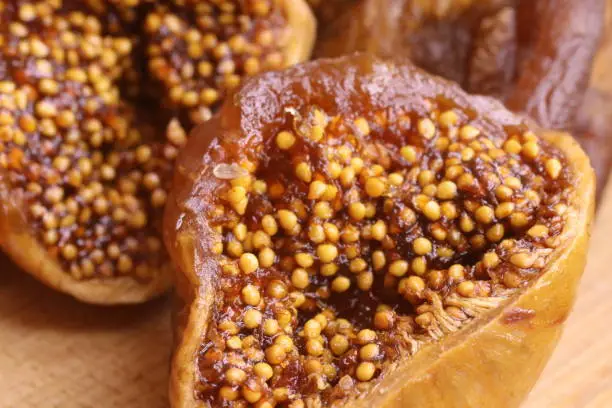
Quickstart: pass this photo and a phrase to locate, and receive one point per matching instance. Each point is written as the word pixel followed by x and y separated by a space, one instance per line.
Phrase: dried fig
pixel 518 51
pixel 374 237
pixel 82 181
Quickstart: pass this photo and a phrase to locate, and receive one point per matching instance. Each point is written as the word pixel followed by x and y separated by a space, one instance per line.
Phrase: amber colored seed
pixel 365 371
pixel 426 128
pixel 369 351
pixel 468 132
pixel 248 263
pixel 341 284
pixel 523 259
pixel 250 295
pixel 553 168
pixel 422 246
pixel 285 140
pixel 398 268
pixel 375 187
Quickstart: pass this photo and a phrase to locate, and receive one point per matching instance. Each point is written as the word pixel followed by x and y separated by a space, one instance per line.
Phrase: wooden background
pixel 55 352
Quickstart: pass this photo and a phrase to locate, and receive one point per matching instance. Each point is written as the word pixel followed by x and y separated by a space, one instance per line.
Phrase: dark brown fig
pixel 355 232
pixel 534 55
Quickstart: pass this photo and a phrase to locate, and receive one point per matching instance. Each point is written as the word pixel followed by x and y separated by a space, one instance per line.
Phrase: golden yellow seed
pixel 398 268
pixel 314 347
pixel 503 193
pixel 366 336
pixel 447 190
pixel 252 318
pixel 365 280
pixel 431 210
pixel 369 351
pixel 504 210
pixel 468 132
pixel 495 233
pixel 266 257
pixel 358 265
pixel 448 119
pixel 518 219
pixel 228 393
pixel 316 233
pixel 422 246
pixel 312 329
pixel 303 172
pixel 268 223
pixel 347 177
pixel 250 395
pixel 466 288
pixel 275 354
pixel 365 371
pixel 339 344
pixel 419 265
pixel 248 263
pixel 456 272
pixel 323 210
pixel 490 260
pixel 375 187
pixel 300 278
pixel 378 260
pixel 285 342
pixel 329 269
pixel 234 248
pixel 395 179
pixel 538 231
pixel 334 169
pixel 250 295
pixel 316 190
pixel 409 154
pixel 304 259
pixel 234 343
pixel 426 128
pixel 553 168
pixel 260 187
pixel 513 182
pixel 327 252
pixel 285 140
pixel 270 327
pixel 379 230
pixel 484 214
pixel 287 219
pixel 362 126
pixel 531 150
pixel 523 259
pixel 357 211
pixel 263 371
pixel 240 231
pixel 331 232
pixel 341 284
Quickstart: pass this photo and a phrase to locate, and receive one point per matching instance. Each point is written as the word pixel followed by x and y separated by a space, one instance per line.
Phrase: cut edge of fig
pixel 30 255
pixel 531 321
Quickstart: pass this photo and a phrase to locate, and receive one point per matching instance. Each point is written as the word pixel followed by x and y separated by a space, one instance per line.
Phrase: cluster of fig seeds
pixel 384 233
pixel 200 50
pixel 93 189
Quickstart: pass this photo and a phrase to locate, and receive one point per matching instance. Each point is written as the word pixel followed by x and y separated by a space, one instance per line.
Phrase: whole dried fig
pixel 356 232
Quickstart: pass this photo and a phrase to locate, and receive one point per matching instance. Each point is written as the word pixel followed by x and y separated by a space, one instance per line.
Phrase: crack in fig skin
pixel 350 96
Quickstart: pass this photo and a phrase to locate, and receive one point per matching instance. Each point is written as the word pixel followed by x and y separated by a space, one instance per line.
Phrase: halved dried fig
pixel 518 51
pixel 83 180
pixel 374 236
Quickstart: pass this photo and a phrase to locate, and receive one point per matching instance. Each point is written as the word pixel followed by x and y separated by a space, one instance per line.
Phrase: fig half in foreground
pixel 356 232
pixel 83 182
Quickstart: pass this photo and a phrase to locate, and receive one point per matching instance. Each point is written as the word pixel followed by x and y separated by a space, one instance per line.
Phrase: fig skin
pixel 533 74
pixel 495 360
pixel 21 244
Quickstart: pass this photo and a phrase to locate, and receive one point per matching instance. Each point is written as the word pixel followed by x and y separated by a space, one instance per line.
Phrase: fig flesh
pixel 374 237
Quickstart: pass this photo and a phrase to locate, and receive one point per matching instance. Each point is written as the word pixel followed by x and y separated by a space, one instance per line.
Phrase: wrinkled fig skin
pixel 594 119
pixel 535 55
pixel 501 353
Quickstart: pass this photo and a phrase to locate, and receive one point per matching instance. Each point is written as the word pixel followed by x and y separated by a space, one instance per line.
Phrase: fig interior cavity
pixel 348 239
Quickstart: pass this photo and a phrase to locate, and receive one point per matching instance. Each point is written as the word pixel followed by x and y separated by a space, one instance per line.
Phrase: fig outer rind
pixel 489 363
